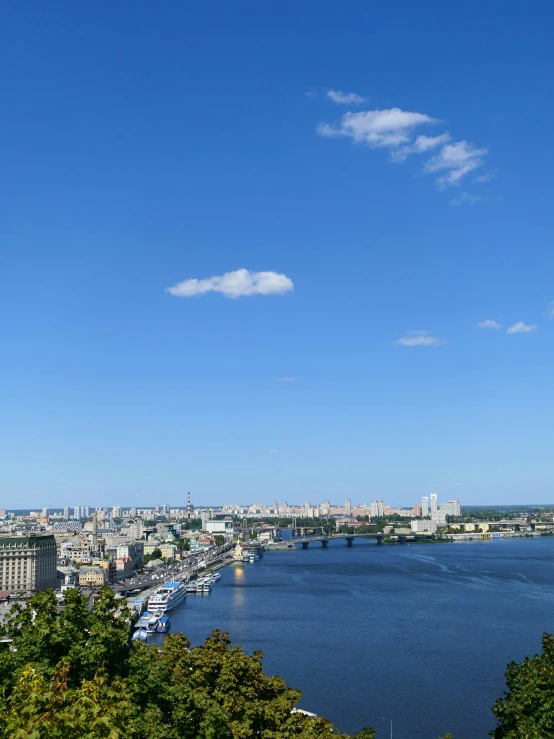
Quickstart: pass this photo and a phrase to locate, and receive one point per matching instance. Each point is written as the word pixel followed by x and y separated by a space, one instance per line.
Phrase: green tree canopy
pixel 526 711
pixel 76 674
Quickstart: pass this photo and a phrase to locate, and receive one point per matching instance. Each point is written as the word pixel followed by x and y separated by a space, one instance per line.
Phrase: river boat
pixel 216 576
pixel 141 634
pixel 191 586
pixel 167 597
pixel 148 622
pixel 206 586
pixel 163 626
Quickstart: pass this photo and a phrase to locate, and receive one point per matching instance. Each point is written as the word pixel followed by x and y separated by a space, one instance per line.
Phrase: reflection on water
pixel 418 633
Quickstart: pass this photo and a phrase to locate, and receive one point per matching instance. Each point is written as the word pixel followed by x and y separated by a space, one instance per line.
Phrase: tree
pixel 527 708
pixel 76 674
pixel 156 554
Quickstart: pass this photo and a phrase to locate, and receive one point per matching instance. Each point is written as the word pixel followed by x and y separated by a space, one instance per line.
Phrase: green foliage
pixel 76 674
pixel 156 554
pixel 527 709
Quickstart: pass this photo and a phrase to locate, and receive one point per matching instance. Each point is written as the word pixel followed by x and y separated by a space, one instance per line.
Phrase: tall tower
pixel 95 528
pixel 434 503
pixel 188 507
pixel 348 507
pixel 424 506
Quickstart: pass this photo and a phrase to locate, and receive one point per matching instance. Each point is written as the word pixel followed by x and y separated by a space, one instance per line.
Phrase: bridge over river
pixel 305 541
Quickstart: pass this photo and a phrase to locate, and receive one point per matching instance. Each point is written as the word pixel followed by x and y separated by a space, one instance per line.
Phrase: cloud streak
pixel 419 338
pixel 235 284
pixel 377 128
pixel 489 323
pixel 286 379
pixel 521 328
pixel 456 160
pixel 344 98
pixel 394 129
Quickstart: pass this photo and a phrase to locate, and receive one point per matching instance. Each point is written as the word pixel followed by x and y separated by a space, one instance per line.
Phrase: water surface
pixel 420 634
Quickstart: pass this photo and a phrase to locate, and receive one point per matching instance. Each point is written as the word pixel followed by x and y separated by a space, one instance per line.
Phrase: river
pixel 417 633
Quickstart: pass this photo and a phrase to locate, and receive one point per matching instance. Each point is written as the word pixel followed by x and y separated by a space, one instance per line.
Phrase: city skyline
pixel 319 262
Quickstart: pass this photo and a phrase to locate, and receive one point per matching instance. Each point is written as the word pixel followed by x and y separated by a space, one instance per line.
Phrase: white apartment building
pixel 434 503
pixel 377 508
pixel 451 508
pixel 423 526
pixel 424 506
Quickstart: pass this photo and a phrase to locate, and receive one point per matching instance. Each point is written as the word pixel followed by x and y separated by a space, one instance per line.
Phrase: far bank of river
pixel 420 635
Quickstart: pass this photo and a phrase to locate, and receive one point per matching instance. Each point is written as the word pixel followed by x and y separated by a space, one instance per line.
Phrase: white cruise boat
pixel 167 597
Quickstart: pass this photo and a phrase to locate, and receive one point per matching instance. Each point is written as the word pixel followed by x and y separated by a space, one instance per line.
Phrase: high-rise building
pixel 377 508
pixel 424 506
pixel 348 507
pixel 77 513
pixel 27 563
pixel 434 503
pixel 451 508
pixel 86 511
pixel 307 508
pixel 116 511
pixel 66 512
pixel 46 512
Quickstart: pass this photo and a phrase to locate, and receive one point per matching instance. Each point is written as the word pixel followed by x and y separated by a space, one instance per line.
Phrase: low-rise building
pixel 423 526
pixel 133 549
pixel 124 568
pixel 93 577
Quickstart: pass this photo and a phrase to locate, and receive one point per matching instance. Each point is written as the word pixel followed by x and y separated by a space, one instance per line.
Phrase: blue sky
pixel 385 166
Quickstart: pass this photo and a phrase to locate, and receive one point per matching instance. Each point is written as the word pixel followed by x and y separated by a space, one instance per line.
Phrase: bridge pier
pixel 380 538
pixel 324 543
pixel 305 544
pixel 349 540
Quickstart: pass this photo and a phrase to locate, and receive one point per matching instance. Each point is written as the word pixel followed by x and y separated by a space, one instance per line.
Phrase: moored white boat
pixel 167 597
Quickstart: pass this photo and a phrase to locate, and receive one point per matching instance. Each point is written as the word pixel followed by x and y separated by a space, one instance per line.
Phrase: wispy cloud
pixel 521 328
pixel 489 323
pixel 376 128
pixel 458 160
pixel 465 198
pixel 549 312
pixel 421 145
pixel 273 451
pixel 394 128
pixel 485 177
pixel 419 338
pixel 235 284
pixel 286 379
pixel 344 98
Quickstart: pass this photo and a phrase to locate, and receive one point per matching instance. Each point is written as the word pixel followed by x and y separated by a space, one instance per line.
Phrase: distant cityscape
pixel 86 547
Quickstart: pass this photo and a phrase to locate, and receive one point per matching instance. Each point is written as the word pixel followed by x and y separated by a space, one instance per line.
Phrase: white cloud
pixel 273 451
pixel 286 379
pixel 485 177
pixel 235 285
pixel 458 159
pixel 419 338
pixel 521 328
pixel 377 128
pixel 394 128
pixel 344 98
pixel 421 145
pixel 550 310
pixel 465 198
pixel 489 323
